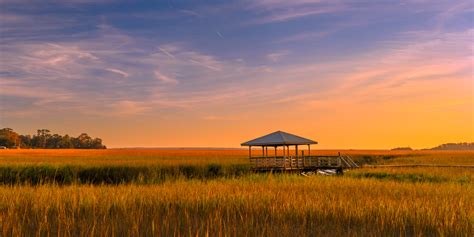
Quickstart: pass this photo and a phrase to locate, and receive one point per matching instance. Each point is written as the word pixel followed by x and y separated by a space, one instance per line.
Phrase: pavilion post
pixel 275 156
pixel 266 155
pixel 289 155
pixel 250 155
pixel 309 155
pixel 291 158
pixel 303 157
pixel 296 154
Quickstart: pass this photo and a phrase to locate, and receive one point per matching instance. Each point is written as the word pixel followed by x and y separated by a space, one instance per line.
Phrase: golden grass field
pixel 188 156
pixel 417 201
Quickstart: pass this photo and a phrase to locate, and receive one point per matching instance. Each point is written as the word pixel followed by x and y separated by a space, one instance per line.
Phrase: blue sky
pixel 199 66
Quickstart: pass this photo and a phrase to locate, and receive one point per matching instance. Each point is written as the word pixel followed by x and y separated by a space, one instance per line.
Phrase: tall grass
pixel 416 174
pixel 211 192
pixel 252 206
pixel 69 174
pixel 156 166
pixel 121 157
pixel 131 157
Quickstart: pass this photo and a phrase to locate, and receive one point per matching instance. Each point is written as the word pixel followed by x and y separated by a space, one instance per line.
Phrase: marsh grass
pixel 416 174
pixel 212 193
pixel 254 205
pixel 402 177
pixel 69 174
pixel 131 157
pixel 156 166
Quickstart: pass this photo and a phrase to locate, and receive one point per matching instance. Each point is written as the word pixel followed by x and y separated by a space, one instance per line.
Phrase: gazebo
pixel 277 139
pixel 288 161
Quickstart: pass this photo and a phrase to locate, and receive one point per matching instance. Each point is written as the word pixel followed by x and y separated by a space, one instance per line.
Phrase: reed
pixel 417 174
pixel 74 174
pixel 213 192
pixel 253 205
pixel 132 157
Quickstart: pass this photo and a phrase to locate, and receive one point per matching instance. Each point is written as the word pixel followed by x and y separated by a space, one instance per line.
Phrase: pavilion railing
pixel 298 162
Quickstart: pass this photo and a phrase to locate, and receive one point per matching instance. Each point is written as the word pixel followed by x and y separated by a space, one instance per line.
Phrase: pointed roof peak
pixel 279 138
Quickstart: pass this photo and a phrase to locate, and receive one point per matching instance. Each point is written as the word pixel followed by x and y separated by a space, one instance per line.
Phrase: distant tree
pixel 25 141
pixel 83 141
pixel 402 149
pixel 97 144
pixel 455 146
pixel 66 142
pixel 53 141
pixel 9 138
pixel 44 139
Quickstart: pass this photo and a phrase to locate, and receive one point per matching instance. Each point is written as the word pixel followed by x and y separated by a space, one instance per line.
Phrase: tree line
pixel 45 140
pixel 455 146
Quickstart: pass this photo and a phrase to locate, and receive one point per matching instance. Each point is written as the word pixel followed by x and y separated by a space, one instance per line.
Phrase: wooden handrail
pixel 273 157
pixel 303 162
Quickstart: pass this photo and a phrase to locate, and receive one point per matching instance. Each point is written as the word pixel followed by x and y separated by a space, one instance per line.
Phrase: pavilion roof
pixel 279 138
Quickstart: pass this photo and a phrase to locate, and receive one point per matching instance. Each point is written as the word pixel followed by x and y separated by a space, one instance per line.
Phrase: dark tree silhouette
pixel 44 139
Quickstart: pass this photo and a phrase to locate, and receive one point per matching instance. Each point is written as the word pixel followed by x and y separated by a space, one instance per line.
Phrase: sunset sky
pixel 349 74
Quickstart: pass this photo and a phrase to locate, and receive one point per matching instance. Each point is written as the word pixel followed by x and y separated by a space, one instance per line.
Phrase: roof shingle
pixel 279 138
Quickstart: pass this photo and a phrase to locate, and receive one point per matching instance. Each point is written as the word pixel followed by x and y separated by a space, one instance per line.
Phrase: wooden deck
pixel 306 163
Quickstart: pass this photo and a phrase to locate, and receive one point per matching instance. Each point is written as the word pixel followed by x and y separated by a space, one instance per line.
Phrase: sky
pixel 348 74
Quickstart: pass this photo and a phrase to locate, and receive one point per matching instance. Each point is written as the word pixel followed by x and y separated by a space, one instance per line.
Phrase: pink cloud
pixel 120 72
pixel 163 78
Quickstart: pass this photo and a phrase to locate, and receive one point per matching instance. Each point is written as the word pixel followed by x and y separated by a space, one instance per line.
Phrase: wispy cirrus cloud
pixel 190 12
pixel 249 63
pixel 129 108
pixel 290 14
pixel 414 66
pixel 305 36
pixel 114 67
pixel 70 2
pixel 163 78
pixel 117 71
pixel 276 56
pixel 167 51
pixel 274 11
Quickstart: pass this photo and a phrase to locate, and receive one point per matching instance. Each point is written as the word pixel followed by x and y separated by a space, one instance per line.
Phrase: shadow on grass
pixel 45 174
pixel 413 178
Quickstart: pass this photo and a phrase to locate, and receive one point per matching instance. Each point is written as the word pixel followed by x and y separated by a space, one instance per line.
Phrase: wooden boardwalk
pixel 419 165
pixel 306 163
